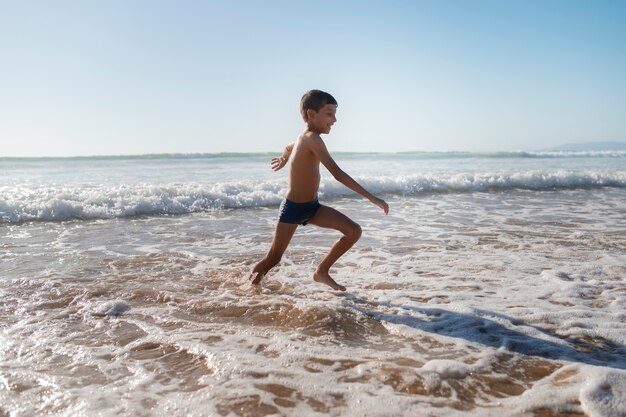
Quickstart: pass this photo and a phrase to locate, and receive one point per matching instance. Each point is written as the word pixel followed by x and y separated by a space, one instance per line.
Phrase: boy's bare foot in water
pixel 324 278
pixel 255 278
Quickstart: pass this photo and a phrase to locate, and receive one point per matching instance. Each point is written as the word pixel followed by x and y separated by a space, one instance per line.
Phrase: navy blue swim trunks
pixel 297 213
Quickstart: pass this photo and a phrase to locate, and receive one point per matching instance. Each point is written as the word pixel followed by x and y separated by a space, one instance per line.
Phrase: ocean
pixel 495 286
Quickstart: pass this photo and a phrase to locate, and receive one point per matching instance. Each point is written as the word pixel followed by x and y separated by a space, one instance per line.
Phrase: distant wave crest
pixel 509 155
pixel 338 154
pixel 18 205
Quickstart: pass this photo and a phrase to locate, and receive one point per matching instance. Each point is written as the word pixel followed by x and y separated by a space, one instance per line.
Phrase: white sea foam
pixel 112 308
pixel 447 368
pixel 604 394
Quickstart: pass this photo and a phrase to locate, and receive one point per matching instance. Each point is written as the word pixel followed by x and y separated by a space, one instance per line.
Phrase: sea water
pixel 496 284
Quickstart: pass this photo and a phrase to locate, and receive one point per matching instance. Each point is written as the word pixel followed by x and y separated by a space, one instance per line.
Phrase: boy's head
pixel 314 100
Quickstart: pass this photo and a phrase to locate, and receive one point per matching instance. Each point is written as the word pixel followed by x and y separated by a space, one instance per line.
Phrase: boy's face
pixel 321 121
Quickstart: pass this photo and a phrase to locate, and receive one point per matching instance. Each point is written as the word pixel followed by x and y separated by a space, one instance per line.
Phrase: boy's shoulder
pixel 310 138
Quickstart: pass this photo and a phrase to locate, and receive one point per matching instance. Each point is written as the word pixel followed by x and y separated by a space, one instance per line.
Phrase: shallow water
pixel 472 303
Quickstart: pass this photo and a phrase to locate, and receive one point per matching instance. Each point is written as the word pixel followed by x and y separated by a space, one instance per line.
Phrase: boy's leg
pixel 282 236
pixel 330 218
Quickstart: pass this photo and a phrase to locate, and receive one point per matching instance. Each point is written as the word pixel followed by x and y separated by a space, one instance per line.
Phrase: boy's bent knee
pixel 354 232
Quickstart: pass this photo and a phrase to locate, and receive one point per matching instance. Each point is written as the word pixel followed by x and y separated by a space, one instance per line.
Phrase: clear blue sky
pixel 123 77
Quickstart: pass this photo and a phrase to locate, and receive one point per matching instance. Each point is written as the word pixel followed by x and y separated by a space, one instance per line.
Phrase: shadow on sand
pixel 529 340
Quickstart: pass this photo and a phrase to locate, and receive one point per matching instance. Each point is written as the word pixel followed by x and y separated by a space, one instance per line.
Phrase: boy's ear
pixel 310 113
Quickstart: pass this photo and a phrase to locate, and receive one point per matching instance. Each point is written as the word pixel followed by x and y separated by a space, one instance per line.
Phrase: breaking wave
pixel 20 204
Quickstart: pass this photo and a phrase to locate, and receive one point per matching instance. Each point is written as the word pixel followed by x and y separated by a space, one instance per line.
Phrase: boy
pixel 300 205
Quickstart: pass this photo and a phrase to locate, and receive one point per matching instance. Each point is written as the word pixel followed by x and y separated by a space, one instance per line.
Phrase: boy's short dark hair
pixel 315 100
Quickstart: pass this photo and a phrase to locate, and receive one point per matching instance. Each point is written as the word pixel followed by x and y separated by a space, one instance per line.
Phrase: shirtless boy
pixel 301 205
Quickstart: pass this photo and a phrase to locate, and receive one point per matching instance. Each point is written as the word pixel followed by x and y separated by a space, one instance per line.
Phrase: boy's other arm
pixel 321 152
pixel 281 161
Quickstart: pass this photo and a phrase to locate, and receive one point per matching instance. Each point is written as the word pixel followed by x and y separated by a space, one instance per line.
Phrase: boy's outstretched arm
pixel 281 161
pixel 321 152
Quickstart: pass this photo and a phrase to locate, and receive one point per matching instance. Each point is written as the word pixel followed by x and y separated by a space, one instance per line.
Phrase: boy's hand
pixel 278 163
pixel 381 203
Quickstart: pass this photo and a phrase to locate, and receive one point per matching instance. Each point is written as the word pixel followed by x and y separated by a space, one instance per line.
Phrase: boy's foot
pixel 255 278
pixel 324 278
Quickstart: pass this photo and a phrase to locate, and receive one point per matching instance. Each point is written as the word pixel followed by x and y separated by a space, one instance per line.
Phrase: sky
pixel 134 77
